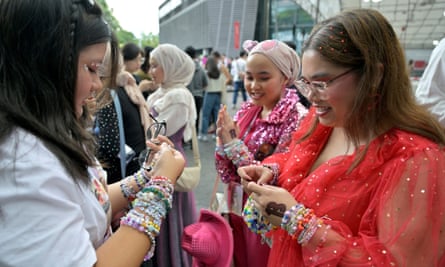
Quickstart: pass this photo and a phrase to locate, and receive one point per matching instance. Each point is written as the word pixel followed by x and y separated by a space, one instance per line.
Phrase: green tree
pixel 123 35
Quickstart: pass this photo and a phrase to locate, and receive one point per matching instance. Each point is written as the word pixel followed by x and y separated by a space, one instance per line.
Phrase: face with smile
pixel 156 72
pixel 88 75
pixel 264 81
pixel 340 89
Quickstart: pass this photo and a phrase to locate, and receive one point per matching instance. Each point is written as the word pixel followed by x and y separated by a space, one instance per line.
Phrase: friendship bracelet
pixel 296 219
pixel 133 220
pixel 219 150
pixel 275 171
pixel 254 219
pixel 128 191
pixel 309 230
pixel 146 217
pixel 238 153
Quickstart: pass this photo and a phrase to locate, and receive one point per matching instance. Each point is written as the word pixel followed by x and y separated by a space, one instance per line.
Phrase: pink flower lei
pixel 269 131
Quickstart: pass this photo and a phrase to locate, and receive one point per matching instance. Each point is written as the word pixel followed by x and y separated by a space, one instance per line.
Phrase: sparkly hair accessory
pixel 281 55
pixel 248 45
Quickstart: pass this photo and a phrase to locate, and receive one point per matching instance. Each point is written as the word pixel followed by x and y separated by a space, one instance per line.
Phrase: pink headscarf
pixel 284 57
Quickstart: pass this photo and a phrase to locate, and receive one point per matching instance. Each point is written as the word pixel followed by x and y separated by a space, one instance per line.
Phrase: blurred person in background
pixel 430 91
pixel 198 84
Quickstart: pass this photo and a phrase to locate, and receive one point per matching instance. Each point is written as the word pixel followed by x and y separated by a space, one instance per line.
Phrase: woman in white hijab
pixel 172 69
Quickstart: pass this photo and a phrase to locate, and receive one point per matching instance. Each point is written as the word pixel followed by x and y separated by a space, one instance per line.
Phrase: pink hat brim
pixel 225 258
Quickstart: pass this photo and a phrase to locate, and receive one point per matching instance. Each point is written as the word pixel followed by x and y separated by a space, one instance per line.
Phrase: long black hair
pixel 39 47
pixel 212 68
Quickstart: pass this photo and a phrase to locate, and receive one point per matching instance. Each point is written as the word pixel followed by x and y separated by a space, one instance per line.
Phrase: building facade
pixel 223 25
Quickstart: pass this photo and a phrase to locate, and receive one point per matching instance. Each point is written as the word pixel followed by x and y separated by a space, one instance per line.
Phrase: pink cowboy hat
pixel 209 241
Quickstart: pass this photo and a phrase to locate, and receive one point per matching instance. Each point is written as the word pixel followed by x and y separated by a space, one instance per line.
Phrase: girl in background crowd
pixel 218 78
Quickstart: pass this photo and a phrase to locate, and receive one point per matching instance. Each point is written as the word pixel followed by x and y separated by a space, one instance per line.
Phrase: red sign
pixel 236 34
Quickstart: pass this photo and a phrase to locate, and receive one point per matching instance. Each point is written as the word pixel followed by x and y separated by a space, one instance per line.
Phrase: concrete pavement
pixel 203 191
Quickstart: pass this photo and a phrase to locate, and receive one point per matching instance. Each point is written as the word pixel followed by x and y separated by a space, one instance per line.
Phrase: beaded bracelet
pixel 296 219
pixel 128 190
pixel 309 230
pixel 254 219
pixel 238 153
pixel 275 171
pixel 145 225
pixel 219 150
pixel 150 208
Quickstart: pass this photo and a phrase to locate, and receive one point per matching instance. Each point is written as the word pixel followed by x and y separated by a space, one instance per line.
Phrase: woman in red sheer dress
pixel 363 183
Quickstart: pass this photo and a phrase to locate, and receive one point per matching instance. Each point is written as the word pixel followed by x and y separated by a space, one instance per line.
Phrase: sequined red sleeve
pixel 388 211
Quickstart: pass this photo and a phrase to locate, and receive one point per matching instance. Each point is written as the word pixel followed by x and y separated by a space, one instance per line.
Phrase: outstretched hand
pixel 226 128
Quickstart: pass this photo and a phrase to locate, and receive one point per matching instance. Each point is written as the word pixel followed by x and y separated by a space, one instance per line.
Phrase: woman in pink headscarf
pixel 262 126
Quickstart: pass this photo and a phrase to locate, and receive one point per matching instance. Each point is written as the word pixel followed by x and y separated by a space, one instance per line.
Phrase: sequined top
pixel 274 131
pixel 388 211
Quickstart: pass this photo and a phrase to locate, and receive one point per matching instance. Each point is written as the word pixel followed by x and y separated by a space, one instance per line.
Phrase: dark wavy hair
pixel 39 47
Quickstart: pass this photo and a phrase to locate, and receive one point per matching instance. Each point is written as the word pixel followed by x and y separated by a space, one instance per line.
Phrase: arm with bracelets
pixel 150 195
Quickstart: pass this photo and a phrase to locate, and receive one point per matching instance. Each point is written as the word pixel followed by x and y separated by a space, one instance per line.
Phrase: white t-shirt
pixel 430 91
pixel 46 219
pixel 238 65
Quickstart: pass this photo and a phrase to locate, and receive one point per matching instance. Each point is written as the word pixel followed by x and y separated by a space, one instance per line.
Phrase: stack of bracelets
pixel 299 221
pixel 149 209
pixel 255 221
pixel 236 152
pixel 140 180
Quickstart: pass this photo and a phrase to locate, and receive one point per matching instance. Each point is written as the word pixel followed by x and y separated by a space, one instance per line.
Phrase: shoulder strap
pixel 122 156
pixel 195 148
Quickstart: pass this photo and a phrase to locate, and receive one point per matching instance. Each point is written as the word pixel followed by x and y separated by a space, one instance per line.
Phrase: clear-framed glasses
pixel 320 87
pixel 157 128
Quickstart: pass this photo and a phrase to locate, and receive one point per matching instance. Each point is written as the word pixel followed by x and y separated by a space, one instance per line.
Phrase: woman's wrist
pixel 150 208
pixel 131 185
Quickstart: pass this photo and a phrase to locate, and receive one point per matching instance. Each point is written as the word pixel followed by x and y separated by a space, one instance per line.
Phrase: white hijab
pixel 178 70
pixel 177 65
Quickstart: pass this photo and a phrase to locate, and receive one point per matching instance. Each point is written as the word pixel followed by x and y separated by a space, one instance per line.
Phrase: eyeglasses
pixel 155 129
pixel 305 87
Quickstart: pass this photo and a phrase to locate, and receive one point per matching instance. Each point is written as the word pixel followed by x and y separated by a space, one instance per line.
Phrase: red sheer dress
pixel 388 211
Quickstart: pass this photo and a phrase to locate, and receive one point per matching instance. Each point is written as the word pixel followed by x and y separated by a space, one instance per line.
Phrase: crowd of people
pixel 339 161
